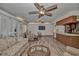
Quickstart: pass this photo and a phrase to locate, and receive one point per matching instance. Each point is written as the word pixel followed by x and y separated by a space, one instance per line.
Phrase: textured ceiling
pixel 22 9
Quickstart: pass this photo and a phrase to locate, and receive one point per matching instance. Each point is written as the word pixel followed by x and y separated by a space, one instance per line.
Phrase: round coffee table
pixel 38 50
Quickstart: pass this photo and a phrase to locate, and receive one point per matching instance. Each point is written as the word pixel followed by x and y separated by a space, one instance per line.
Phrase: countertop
pixel 68 34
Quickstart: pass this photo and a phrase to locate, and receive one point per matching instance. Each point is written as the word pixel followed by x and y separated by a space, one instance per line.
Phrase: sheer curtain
pixel 10 27
pixel 7 26
pixel 0 26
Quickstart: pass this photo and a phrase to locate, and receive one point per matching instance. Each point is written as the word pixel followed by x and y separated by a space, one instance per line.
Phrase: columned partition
pixel 10 27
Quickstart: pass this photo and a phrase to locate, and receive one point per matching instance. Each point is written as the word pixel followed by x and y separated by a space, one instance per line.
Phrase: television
pixel 41 27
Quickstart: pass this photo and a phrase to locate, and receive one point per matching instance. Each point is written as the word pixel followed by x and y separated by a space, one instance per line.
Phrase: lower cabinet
pixel 68 40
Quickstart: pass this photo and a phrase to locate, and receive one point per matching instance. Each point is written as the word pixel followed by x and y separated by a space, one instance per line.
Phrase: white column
pixel 19 32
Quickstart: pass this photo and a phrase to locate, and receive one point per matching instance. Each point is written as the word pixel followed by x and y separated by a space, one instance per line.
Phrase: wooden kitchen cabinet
pixel 70 19
pixel 68 40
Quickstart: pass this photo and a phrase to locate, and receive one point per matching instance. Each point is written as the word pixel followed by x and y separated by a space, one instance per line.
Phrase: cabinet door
pixel 61 38
pixel 68 40
pixel 64 39
pixel 75 42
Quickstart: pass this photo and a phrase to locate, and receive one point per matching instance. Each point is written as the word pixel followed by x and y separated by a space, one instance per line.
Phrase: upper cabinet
pixel 67 20
pixel 71 24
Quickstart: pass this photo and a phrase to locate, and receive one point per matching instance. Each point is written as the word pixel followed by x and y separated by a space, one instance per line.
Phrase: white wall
pixel 60 29
pixel 33 27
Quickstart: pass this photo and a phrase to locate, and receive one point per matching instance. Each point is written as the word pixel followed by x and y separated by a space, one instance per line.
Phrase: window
pixel 41 27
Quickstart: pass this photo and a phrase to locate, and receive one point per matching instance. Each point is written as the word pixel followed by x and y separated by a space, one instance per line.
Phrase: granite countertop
pixel 68 34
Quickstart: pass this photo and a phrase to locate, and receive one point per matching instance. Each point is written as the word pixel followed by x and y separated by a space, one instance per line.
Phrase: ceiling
pixel 22 9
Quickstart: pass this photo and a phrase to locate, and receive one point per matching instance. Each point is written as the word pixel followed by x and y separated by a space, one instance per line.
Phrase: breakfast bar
pixel 68 39
pixel 68 31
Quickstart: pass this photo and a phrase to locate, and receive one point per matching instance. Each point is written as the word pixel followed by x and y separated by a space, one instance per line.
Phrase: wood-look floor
pixel 56 48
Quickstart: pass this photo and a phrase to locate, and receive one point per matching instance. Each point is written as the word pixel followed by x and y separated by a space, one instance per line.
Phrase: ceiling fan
pixel 43 11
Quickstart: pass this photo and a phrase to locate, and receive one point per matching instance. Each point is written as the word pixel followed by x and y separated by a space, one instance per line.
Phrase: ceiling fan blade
pixel 49 14
pixel 51 8
pixel 34 12
pixel 37 6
